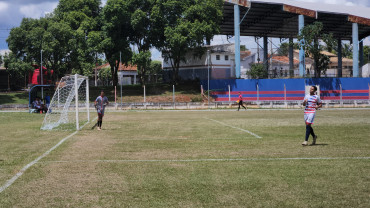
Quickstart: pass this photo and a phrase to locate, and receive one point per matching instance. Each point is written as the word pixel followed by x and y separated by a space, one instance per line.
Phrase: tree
pixel 63 36
pixel 84 18
pixel 16 68
pixel 115 35
pixel 366 54
pixel 309 39
pixel 284 49
pixel 243 48
pixel 142 60
pixel 146 26
pixel 257 71
pixel 187 24
pixel 155 68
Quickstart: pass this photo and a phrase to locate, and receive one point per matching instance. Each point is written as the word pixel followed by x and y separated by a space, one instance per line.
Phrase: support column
pixel 340 68
pixel 361 51
pixel 302 64
pixel 237 40
pixel 355 49
pixel 265 53
pixel 291 57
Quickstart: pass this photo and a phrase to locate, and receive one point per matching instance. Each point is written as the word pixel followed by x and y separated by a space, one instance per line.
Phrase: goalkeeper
pixel 100 103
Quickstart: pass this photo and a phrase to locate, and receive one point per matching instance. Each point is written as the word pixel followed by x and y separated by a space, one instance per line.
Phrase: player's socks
pixel 308 132
pixel 312 133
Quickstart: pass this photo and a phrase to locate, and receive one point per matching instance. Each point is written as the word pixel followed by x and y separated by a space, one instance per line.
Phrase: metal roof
pixel 279 18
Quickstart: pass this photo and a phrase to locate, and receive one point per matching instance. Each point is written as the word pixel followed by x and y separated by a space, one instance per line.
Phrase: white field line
pixel 161 139
pixel 20 173
pixel 210 160
pixel 251 133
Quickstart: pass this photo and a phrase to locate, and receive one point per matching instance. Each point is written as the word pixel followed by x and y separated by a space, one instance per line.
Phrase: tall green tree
pixel 115 35
pixel 83 17
pixel 188 23
pixel 26 43
pixel 146 26
pixel 309 36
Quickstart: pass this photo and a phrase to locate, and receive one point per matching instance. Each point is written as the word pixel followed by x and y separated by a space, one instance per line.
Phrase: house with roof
pixel 280 67
pixel 221 64
pixel 127 74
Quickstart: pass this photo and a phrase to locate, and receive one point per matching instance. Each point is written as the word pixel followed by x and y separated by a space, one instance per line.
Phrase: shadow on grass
pixel 4 99
pixel 14 98
pixel 318 145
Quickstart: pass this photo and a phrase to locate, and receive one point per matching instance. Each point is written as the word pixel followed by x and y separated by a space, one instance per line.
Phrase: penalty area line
pixel 251 133
pixel 20 173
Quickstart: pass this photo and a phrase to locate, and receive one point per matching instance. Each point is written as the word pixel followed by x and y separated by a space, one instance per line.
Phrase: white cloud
pixel 3 6
pixel 37 10
pixel 103 3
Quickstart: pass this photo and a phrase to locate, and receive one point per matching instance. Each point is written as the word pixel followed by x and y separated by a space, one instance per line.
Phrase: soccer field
pixel 218 158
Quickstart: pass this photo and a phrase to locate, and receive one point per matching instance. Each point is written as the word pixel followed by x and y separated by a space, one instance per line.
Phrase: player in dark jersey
pixel 100 103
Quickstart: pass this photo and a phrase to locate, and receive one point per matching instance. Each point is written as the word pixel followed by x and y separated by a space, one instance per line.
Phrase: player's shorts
pixel 100 112
pixel 309 117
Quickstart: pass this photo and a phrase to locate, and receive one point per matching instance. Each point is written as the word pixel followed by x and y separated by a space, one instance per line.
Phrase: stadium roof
pixel 279 18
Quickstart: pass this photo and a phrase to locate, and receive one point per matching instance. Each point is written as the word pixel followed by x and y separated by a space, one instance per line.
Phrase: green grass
pixel 20 97
pixel 183 159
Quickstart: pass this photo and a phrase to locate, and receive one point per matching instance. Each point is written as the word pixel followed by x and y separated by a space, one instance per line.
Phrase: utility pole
pixel 208 62
pixel 42 82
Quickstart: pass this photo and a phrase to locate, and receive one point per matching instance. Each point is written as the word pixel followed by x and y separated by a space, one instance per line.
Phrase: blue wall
pixel 353 88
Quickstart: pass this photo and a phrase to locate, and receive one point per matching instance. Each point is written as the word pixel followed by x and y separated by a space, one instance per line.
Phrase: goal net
pixel 69 107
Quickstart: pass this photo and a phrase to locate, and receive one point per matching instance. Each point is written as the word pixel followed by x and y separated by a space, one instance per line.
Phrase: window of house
pixel 226 57
pixel 217 57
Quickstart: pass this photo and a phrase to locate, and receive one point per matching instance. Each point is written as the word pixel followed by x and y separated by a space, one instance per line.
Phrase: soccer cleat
pixel 99 128
pixel 314 140
pixel 304 143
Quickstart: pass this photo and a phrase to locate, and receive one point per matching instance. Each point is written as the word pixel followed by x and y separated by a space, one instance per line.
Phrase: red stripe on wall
pixel 345 98
pixel 255 92
pixel 344 91
pixel 264 99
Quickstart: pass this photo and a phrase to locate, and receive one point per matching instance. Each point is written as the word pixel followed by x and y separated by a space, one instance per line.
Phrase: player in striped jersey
pixel 312 103
pixel 100 103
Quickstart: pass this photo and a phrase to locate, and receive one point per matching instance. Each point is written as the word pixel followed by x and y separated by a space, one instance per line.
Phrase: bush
pixel 257 71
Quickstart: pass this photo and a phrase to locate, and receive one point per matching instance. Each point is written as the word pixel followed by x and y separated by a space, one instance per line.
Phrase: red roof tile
pixel 284 59
pixel 122 67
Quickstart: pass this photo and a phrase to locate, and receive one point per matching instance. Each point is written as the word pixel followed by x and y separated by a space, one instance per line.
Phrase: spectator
pixel 39 105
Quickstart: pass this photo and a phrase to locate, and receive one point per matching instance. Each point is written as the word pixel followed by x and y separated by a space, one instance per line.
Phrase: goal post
pixel 69 107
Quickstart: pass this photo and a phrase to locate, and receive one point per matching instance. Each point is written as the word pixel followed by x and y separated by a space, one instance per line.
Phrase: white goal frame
pixel 58 111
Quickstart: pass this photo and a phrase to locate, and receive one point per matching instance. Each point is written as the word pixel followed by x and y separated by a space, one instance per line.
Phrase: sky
pixel 12 12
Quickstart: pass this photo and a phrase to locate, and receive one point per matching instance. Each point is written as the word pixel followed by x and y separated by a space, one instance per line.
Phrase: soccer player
pixel 100 103
pixel 312 103
pixel 240 102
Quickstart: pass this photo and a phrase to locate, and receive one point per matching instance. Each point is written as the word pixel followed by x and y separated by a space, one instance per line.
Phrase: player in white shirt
pixel 312 103
pixel 100 103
